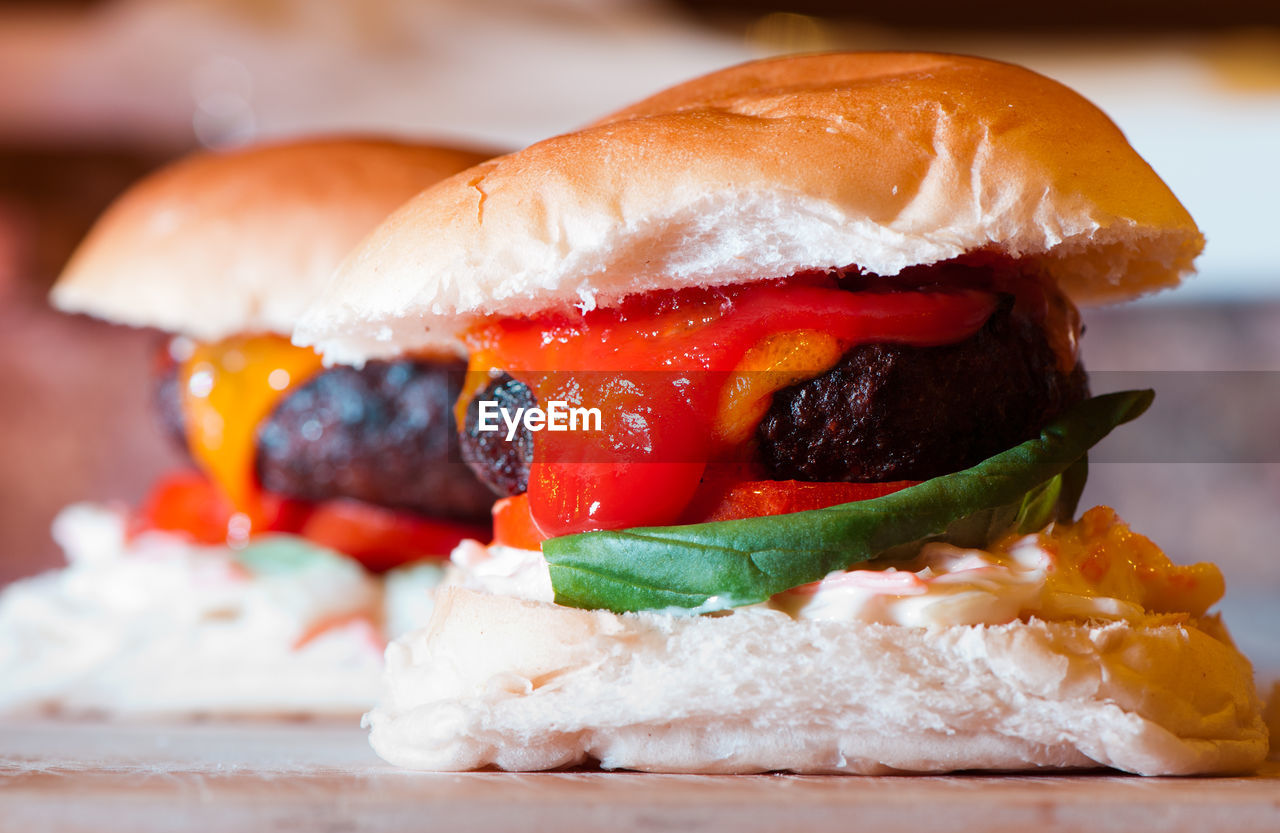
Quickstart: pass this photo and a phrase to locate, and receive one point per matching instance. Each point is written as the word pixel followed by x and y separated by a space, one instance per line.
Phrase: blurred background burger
pixel 249 581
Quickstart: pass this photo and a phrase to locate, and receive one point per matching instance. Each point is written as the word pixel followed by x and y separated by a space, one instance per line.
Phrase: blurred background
pixel 95 94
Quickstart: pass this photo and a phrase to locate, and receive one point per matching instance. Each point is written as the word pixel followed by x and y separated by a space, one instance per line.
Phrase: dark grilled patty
pixel 894 412
pixel 885 412
pixel 383 434
pixel 503 466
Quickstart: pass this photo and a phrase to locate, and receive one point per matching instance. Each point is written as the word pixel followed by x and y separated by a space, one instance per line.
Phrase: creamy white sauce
pixel 155 623
pixel 947 585
pixel 943 585
pixel 502 571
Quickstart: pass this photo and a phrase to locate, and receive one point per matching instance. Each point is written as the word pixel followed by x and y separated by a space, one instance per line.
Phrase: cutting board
pixel 318 778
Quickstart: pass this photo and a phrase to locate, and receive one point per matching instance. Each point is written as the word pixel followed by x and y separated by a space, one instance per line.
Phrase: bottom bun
pixel 527 685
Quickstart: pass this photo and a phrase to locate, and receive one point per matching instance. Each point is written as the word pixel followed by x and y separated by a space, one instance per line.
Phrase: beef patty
pixel 897 412
pixel 383 434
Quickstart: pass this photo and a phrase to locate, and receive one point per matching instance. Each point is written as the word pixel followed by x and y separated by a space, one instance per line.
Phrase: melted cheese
pixel 228 389
pixel 776 362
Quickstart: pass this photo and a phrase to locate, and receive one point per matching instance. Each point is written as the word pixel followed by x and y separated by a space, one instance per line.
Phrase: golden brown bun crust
pixel 223 243
pixel 879 160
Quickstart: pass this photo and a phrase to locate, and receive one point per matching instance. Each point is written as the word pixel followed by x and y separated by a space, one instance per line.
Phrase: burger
pixel 776 375
pixel 255 581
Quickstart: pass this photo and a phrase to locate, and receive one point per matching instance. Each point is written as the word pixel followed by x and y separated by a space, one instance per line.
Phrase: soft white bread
pixel 879 160
pixel 225 243
pixel 529 685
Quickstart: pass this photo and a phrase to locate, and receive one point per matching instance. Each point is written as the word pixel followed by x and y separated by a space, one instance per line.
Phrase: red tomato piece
pixel 188 502
pixel 274 513
pixel 513 524
pixel 382 539
pixel 580 497
pixel 185 502
pixel 758 498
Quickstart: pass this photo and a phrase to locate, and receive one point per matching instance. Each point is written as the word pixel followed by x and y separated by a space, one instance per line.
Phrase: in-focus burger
pixel 251 583
pixel 826 309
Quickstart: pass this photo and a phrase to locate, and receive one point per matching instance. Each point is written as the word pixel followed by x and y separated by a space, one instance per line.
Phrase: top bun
pixel 240 242
pixel 879 160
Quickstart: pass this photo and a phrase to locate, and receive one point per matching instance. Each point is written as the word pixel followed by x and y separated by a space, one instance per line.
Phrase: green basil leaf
pixel 1039 506
pixel 714 566
pixel 1072 487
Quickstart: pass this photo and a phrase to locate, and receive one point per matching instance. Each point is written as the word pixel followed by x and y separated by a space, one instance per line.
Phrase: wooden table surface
pixel 244 776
